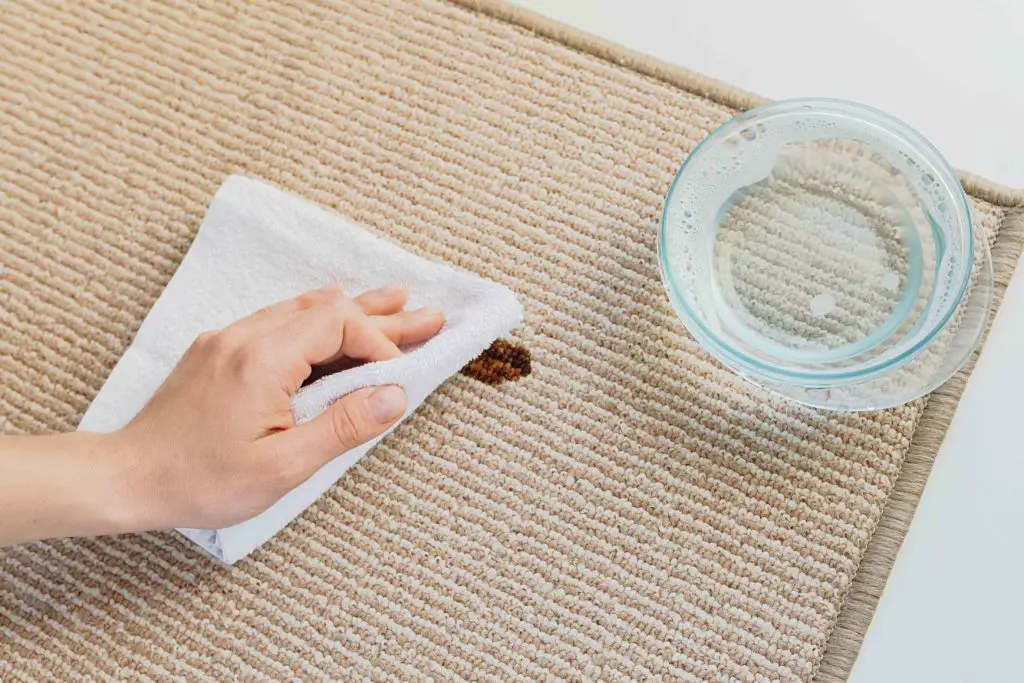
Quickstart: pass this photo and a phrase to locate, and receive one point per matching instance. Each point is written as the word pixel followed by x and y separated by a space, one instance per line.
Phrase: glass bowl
pixel 826 251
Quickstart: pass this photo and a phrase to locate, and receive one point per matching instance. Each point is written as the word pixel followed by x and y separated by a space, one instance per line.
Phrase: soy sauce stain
pixel 502 362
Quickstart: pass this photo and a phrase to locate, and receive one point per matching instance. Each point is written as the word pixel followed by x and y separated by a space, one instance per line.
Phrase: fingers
pixel 384 301
pixel 271 317
pixel 325 332
pixel 403 329
pixel 410 327
pixel 351 421
pixel 362 340
pixel 324 327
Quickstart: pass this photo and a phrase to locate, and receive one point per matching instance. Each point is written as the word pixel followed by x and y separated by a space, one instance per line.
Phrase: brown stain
pixel 503 361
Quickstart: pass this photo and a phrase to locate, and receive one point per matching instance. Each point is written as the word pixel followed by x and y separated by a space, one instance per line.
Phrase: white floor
pixel 955 71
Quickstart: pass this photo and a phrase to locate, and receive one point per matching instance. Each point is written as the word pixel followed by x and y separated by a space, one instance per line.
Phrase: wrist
pixel 106 498
pixel 130 488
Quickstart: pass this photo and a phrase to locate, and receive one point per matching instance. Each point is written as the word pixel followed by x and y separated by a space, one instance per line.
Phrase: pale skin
pixel 216 444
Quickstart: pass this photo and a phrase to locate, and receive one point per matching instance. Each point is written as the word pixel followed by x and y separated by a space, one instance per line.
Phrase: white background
pixel 954 71
pixel 953 609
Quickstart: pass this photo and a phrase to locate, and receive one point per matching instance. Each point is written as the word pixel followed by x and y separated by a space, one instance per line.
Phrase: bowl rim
pixel 746 364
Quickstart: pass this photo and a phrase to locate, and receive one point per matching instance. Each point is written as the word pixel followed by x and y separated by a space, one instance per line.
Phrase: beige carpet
pixel 629 510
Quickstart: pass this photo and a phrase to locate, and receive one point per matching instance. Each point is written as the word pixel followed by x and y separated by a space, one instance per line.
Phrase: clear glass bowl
pixel 826 251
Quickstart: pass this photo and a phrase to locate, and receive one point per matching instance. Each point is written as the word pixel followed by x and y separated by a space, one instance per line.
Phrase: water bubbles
pixel 857 167
pixel 891 281
pixel 823 304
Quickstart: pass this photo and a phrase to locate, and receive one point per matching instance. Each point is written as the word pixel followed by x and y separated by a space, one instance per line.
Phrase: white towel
pixel 258 245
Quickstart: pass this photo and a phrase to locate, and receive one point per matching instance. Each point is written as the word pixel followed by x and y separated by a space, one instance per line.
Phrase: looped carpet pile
pixel 625 509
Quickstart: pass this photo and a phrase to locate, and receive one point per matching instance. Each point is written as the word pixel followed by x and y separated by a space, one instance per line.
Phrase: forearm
pixel 63 485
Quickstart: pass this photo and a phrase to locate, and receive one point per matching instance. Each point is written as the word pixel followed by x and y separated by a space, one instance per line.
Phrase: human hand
pixel 216 444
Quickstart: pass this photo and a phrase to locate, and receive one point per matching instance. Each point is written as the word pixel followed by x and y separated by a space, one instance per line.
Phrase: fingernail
pixel 387 404
pixel 393 288
pixel 430 311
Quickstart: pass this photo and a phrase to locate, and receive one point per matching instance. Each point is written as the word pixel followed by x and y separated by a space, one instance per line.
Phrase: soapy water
pixel 813 240
pixel 804 258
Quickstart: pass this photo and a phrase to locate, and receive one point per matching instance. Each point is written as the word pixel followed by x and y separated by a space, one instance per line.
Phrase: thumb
pixel 351 421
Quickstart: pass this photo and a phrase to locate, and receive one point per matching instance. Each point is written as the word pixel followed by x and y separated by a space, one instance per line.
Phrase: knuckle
pixel 341 304
pixel 255 357
pixel 214 341
pixel 310 299
pixel 320 296
pixel 262 312
pixel 349 427
pixel 338 317
pixel 336 312
pixel 206 338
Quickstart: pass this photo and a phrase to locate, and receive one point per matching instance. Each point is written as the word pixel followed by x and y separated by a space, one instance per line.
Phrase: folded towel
pixel 258 245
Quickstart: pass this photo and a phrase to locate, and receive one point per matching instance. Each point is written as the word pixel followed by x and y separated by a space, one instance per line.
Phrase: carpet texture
pixel 625 508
